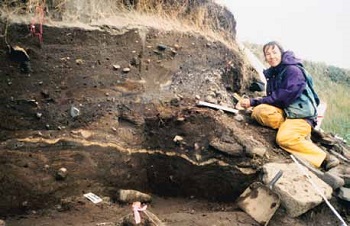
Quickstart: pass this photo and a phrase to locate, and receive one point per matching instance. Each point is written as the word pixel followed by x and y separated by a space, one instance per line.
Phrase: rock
pixel 130 196
pixel 175 102
pixel 180 119
pixel 239 117
pixel 173 52
pixel 131 116
pixel 212 93
pixel 45 93
pixel 253 147
pixel 332 180
pixel 260 151
pixel 211 99
pixel 116 67
pixel 196 147
pixel 65 58
pixel 176 47
pixel 81 133
pixel 162 47
pixel 297 194
pixel 25 204
pixel 61 174
pixel 331 177
pixel 342 171
pixel 135 61
pixel 79 61
pixel 178 138
pixel 38 115
pixel 344 194
pixel 66 204
pixel 126 70
pixel 26 68
pixel 74 112
pixel 232 149
pixel 108 224
pixel 198 157
pixel 157 52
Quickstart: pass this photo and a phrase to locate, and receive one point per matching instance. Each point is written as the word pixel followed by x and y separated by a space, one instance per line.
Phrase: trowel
pixel 260 201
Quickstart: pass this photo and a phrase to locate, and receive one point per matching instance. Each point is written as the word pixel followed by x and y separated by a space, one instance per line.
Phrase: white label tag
pixel 92 197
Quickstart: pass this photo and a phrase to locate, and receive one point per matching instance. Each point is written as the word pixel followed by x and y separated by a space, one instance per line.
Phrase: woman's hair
pixel 273 44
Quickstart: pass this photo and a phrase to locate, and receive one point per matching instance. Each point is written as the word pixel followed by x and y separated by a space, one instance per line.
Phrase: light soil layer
pixel 123 137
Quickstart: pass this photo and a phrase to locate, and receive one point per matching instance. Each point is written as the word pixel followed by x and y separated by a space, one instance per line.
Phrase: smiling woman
pixel 290 106
pixel 273 54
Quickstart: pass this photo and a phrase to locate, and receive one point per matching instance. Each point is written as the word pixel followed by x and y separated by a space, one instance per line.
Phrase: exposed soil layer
pixel 113 128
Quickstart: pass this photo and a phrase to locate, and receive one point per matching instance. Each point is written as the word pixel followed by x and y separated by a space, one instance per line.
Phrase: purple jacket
pixel 289 89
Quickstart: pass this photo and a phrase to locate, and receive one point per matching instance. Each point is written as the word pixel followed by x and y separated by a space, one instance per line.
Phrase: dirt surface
pixel 123 136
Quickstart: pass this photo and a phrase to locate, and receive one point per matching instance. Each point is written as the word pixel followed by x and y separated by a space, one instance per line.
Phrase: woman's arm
pixel 291 87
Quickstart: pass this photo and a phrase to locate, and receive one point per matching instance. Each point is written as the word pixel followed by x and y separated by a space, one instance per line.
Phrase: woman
pixel 289 106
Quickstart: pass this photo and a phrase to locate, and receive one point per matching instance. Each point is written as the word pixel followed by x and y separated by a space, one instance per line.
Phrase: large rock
pixel 297 194
pixel 344 194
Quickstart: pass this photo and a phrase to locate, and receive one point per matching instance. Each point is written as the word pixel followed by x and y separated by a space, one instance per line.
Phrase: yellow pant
pixel 292 133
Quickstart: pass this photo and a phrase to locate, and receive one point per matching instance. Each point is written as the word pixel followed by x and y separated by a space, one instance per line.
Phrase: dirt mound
pixel 117 109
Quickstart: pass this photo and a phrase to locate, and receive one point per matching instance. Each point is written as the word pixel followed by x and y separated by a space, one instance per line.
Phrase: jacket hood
pixel 288 58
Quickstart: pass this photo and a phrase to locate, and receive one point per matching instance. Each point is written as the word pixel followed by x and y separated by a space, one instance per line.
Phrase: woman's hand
pixel 245 103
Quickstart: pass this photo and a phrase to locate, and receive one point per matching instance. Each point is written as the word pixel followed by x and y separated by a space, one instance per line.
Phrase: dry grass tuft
pixel 202 15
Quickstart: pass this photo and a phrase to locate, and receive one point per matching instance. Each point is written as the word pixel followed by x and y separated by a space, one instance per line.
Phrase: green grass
pixel 335 93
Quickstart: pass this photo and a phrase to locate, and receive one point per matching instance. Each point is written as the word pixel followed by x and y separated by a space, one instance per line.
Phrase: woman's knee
pixel 284 139
pixel 268 115
pixel 260 110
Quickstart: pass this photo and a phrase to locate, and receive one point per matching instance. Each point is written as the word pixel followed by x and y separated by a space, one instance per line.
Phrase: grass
pixel 204 14
pixel 205 17
pixel 335 94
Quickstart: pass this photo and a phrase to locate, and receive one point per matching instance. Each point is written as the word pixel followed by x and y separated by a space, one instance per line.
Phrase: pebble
pixel 61 174
pixel 126 70
pixel 239 118
pixel 116 66
pixel 178 138
pixel 344 193
pixel 79 61
pixel 38 115
pixel 74 112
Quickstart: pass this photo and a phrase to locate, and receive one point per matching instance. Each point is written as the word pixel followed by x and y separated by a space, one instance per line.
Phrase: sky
pixel 316 30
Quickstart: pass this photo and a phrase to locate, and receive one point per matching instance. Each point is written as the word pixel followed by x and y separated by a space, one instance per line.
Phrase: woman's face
pixel 273 55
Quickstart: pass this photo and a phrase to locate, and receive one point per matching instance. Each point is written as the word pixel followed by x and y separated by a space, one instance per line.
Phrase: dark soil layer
pixel 123 137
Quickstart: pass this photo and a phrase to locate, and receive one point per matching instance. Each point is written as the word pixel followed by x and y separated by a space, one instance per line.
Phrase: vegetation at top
pixel 201 14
